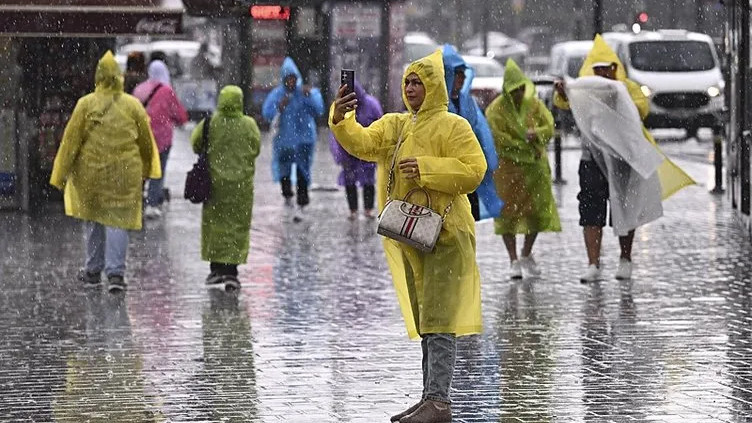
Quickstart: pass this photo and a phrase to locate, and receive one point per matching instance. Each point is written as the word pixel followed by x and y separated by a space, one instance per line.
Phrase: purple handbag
pixel 198 181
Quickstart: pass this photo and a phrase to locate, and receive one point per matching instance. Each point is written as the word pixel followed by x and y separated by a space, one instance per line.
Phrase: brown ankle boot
pixel 407 412
pixel 430 412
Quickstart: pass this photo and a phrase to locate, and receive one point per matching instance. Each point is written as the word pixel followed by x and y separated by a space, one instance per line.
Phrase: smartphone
pixel 348 78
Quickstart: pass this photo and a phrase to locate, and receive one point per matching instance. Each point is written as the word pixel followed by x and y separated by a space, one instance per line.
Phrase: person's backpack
pixel 198 181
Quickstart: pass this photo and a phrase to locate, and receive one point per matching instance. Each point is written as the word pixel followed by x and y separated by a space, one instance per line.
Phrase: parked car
pixel 417 45
pixel 681 74
pixel 489 77
pixel 500 47
pixel 566 60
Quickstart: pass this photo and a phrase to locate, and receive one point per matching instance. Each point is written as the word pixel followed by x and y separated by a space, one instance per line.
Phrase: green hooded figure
pixel 522 127
pixel 234 144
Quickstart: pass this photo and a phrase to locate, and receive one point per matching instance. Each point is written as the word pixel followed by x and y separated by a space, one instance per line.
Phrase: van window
pixel 574 64
pixel 671 56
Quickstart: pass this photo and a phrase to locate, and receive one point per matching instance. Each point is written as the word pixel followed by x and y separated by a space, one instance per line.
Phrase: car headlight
pixel 646 90
pixel 714 91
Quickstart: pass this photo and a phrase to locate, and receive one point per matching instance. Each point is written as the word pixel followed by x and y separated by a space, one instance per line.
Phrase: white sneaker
pixel 151 212
pixel 624 271
pixel 529 266
pixel 592 274
pixel 515 270
pixel 299 215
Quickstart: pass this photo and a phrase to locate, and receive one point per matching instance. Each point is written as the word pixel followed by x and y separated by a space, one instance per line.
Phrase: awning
pixel 90 18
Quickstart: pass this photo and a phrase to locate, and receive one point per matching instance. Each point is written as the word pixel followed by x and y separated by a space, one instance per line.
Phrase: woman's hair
pixel 136 62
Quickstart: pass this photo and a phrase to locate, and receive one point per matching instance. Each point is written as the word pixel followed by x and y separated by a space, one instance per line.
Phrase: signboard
pixel 356 44
pixel 92 23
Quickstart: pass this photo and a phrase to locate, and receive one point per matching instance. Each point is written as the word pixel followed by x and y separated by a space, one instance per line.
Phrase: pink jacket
pixel 164 109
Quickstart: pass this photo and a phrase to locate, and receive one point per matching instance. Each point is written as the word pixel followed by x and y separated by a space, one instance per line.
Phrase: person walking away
pixel 438 292
pixel 355 171
pixel 106 152
pixel 234 144
pixel 135 70
pixel 296 106
pixel 604 178
pixel 459 78
pixel 522 127
pixel 165 112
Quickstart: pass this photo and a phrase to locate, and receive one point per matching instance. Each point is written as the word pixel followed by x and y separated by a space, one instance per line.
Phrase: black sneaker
pixel 89 278
pixel 215 281
pixel 231 283
pixel 116 283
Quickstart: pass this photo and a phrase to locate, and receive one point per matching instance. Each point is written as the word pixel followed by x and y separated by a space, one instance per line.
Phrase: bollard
pixel 557 159
pixel 718 161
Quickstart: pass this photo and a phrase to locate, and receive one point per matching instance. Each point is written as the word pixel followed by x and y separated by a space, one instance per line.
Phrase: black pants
pixel 302 196
pixel 352 197
pixel 474 205
pixel 224 269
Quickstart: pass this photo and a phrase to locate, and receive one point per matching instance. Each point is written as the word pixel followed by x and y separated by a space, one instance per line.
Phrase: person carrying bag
pixel 198 181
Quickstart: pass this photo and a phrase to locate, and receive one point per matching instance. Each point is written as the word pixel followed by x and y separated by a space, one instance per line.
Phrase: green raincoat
pixel 106 152
pixel 438 292
pixel 234 144
pixel 523 179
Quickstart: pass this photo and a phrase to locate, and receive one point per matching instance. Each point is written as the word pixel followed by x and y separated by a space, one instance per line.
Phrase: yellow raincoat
pixel 438 292
pixel 106 152
pixel 523 179
pixel 672 177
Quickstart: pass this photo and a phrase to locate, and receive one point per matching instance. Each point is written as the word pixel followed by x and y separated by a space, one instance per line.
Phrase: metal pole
pixel 718 160
pixel 597 17
pixel 245 56
pixel 578 19
pixel 557 159
pixel 484 27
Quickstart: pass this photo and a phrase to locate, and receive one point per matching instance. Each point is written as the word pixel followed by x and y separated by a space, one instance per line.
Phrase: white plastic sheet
pixel 612 131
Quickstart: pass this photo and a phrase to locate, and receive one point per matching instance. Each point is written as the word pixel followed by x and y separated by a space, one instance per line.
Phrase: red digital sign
pixel 278 13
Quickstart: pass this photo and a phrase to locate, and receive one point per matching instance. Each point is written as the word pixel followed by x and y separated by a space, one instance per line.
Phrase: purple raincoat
pixel 356 171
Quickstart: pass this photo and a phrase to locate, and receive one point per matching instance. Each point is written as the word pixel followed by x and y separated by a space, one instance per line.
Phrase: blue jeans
pixel 106 248
pixel 439 355
pixel 155 192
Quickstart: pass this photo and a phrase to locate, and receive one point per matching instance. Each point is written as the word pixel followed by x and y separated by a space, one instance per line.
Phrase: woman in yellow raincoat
pixel 106 152
pixel 438 292
pixel 522 127
pixel 594 187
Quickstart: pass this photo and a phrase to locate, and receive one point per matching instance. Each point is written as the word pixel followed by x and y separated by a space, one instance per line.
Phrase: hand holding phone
pixel 348 78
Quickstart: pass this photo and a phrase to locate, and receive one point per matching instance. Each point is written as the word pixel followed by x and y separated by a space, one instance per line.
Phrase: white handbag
pixel 412 224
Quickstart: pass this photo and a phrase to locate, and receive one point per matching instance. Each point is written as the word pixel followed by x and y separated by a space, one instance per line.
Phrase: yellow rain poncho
pixel 672 177
pixel 523 179
pixel 438 292
pixel 106 152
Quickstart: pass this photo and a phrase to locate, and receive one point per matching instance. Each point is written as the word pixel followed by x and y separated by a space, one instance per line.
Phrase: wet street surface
pixel 315 334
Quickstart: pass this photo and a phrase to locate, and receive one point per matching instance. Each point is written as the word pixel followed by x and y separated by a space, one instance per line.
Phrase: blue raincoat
pixel 490 202
pixel 296 135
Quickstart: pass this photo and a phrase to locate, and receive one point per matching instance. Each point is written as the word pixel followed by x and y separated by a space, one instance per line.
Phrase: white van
pixel 680 72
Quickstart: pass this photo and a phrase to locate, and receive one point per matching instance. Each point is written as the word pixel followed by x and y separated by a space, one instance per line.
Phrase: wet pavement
pixel 315 334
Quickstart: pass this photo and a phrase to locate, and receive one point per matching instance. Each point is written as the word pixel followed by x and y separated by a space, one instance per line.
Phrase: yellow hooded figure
pixel 438 292
pixel 671 176
pixel 106 152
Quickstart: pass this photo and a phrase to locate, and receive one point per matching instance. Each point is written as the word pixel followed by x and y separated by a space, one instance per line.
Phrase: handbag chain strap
pixel 391 178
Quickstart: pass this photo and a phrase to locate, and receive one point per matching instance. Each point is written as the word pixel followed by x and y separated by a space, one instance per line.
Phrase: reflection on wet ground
pixel 315 334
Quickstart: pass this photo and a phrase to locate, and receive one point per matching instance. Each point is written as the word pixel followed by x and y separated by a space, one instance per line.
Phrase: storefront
pixel 739 103
pixel 48 54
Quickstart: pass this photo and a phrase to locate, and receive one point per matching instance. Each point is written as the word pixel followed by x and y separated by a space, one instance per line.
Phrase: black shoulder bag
pixel 198 181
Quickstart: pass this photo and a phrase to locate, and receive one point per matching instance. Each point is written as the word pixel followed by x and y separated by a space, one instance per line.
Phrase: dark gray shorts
pixel 593 196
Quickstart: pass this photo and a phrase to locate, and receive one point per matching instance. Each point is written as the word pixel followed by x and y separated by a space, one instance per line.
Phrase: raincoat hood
pixel 430 70
pixel 601 52
pixel 230 102
pixel 290 68
pixel 515 78
pixel 158 72
pixel 453 60
pixel 360 92
pixel 108 75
